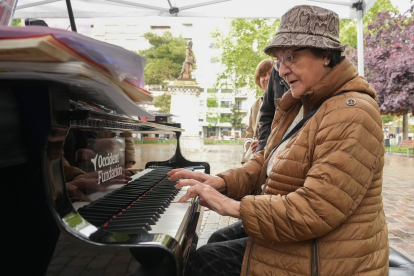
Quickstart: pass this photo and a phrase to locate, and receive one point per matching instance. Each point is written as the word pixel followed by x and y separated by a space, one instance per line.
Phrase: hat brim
pixel 282 40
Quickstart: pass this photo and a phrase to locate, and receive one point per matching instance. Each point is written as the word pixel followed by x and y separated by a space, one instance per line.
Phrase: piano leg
pixel 31 231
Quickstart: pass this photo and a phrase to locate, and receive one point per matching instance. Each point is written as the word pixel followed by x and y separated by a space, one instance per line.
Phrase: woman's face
pixel 304 72
pixel 264 79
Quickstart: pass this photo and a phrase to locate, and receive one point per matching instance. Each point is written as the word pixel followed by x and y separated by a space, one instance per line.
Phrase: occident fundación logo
pixel 101 161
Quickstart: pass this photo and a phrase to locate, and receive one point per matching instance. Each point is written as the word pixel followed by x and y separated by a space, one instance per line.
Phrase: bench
pixel 209 139
pixel 408 144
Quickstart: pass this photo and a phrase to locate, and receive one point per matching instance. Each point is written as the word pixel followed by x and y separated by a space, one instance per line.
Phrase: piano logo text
pixel 109 174
pixel 104 161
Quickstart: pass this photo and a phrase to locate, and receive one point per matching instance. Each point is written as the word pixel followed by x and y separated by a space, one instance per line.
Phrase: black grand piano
pixel 48 132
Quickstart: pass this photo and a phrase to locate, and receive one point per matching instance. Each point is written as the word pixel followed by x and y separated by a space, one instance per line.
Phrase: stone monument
pixel 185 102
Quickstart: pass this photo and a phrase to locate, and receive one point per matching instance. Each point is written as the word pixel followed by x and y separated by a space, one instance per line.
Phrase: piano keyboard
pixel 146 205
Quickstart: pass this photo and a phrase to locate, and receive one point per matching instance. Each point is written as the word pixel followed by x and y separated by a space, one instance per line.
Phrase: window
pixel 212 90
pixel 226 90
pixel 213 60
pixel 200 120
pixel 160 27
pixel 188 25
pixel 225 104
pixel 201 102
pixel 212 46
pixel 239 104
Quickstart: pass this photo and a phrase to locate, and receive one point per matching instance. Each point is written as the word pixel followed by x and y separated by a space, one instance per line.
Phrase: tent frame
pixel 359 6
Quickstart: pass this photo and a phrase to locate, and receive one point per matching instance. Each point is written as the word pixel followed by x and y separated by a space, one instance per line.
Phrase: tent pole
pixel 71 17
pixel 360 40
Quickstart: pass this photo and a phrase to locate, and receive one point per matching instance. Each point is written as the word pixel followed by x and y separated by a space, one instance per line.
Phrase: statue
pixel 188 63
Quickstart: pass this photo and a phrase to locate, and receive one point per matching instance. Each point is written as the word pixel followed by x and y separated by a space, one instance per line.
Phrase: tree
pixel 387 118
pixel 212 119
pixel 164 58
pixel 348 27
pixel 236 117
pixel 163 102
pixel 17 22
pixel 242 49
pixel 212 101
pixel 389 62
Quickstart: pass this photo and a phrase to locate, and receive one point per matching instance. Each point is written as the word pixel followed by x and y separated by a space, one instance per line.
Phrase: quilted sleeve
pixel 346 150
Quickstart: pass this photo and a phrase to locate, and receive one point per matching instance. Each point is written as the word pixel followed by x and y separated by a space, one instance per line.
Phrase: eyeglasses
pixel 286 59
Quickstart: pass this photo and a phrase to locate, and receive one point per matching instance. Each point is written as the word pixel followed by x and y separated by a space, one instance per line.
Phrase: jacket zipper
pixel 248 257
pixel 314 258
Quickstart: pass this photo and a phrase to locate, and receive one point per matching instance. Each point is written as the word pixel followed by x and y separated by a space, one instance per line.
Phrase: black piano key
pixel 122 196
pixel 96 216
pixel 138 214
pixel 138 225
pixel 115 201
pixel 112 204
pixel 132 222
pixel 127 230
pixel 137 211
pixel 109 214
pixel 151 202
pixel 96 222
pixel 103 209
pixel 137 217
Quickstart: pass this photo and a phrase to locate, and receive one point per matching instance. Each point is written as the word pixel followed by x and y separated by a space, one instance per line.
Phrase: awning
pixel 349 9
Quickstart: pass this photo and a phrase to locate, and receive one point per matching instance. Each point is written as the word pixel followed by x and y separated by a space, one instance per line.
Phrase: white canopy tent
pixel 350 9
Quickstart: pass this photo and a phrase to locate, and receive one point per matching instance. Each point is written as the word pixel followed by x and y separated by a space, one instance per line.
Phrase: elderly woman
pixel 320 207
pixel 261 78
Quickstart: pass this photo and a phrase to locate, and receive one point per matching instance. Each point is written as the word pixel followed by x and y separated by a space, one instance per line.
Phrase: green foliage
pixel 17 22
pixel 224 118
pixel 242 50
pixel 348 27
pixel 387 118
pixel 212 101
pixel 164 58
pixel 226 90
pixel 163 102
pixel 212 119
pixel 212 90
pixel 236 117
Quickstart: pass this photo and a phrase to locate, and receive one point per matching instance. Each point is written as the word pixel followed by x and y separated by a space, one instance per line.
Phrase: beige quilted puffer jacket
pixel 321 210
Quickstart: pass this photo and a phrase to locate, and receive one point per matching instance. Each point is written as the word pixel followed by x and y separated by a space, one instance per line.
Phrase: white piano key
pixel 174 217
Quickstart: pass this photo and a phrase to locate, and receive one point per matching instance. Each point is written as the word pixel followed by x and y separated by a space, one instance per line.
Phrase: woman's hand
pixel 216 182
pixel 254 146
pixel 210 198
pixel 75 194
pixel 87 186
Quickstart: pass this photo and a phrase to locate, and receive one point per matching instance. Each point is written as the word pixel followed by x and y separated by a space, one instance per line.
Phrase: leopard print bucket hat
pixel 307 26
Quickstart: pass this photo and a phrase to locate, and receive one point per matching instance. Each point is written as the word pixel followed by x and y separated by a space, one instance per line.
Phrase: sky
pixel 403 5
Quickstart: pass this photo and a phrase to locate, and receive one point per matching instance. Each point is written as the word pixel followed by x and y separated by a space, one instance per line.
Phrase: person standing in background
pixel 261 78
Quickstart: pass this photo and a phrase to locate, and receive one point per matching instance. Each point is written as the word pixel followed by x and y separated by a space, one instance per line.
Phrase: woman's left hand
pixel 209 197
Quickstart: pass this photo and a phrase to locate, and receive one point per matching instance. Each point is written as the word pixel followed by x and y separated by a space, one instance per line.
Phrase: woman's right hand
pixel 216 182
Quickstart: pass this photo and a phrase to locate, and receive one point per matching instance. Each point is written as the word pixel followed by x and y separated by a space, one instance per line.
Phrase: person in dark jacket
pixel 275 90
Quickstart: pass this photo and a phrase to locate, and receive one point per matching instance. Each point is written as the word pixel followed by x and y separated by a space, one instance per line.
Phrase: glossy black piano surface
pixel 52 143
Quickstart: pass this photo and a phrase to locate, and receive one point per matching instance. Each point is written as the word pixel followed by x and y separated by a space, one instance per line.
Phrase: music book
pixel 47 48
pixel 81 85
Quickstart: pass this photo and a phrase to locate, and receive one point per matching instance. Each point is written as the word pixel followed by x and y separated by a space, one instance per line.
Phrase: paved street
pixel 76 258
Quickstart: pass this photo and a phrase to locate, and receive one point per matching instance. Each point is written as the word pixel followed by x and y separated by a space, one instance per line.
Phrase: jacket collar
pixel 342 77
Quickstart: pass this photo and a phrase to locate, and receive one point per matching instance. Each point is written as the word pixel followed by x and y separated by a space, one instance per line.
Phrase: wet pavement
pixel 73 257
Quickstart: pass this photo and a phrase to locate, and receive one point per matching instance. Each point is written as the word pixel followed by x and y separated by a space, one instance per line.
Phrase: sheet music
pixel 121 63
pixel 88 90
